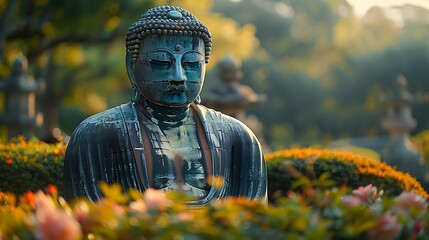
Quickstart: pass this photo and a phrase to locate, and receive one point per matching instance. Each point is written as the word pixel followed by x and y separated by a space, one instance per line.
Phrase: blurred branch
pixel 49 75
pixel 78 39
pixel 4 22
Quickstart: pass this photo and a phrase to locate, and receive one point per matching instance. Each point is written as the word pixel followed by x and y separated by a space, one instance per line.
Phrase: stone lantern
pixel 400 152
pixel 20 116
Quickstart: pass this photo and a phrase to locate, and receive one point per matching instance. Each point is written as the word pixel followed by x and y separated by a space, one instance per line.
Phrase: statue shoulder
pixel 108 123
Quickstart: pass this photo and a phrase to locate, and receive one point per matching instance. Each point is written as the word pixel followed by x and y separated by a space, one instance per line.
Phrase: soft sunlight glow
pixel 361 6
pixel 284 10
pixel 343 11
pixel 396 16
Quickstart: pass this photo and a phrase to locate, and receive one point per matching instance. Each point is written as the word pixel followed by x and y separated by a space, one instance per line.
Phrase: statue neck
pixel 164 116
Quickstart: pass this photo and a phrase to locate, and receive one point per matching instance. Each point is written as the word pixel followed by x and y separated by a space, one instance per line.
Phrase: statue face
pixel 170 69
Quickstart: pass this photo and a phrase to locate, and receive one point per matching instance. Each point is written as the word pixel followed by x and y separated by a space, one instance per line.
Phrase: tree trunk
pixel 50 110
pixel 49 102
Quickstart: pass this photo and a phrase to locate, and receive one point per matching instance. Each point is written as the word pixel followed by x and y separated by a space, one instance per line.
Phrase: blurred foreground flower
pixel 53 223
pixel 138 206
pixel 388 228
pixel 368 194
pixel 411 204
pixel 155 199
pixel 322 213
pixel 351 200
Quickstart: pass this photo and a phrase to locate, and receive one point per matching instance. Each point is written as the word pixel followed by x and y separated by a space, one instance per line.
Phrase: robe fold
pixel 108 147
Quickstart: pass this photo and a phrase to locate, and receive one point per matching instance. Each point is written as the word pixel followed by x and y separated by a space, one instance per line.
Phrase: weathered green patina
pixel 163 138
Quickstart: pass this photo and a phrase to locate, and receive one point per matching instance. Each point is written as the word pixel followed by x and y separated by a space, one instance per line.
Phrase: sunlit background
pixel 324 65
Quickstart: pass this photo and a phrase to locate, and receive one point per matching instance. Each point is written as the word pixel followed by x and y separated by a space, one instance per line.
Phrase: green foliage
pixel 321 205
pixel 421 140
pixel 328 213
pixel 30 165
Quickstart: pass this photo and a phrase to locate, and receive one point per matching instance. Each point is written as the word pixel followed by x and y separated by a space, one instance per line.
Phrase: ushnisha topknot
pixel 166 20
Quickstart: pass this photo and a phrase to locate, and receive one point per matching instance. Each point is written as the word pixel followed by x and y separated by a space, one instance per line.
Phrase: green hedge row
pixel 32 165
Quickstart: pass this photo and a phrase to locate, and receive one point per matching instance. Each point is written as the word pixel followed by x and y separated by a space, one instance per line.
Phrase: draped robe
pixel 109 147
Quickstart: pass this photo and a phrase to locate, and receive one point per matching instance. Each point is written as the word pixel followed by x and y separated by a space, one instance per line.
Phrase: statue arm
pixel 85 164
pixel 249 169
pixel 99 151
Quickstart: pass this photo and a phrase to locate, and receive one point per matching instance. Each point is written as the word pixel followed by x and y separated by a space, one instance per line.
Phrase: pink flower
pixel 44 202
pixel 411 204
pixel 81 211
pixel 185 217
pixel 351 200
pixel 387 228
pixel 138 206
pixel 155 199
pixel 368 194
pixel 53 223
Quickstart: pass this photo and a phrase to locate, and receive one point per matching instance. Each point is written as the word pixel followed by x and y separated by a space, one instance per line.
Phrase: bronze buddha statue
pixel 163 138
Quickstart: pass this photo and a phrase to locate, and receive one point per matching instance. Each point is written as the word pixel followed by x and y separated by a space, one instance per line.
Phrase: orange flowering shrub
pixel 30 165
pixel 343 167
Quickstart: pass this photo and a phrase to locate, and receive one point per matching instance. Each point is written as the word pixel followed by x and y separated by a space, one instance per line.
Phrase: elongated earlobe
pixel 135 93
pixel 130 72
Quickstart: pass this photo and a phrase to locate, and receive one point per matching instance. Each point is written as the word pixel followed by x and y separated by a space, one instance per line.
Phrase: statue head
pixel 230 69
pixel 167 49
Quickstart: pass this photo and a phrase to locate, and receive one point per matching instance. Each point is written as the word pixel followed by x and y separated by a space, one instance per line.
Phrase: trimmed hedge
pixel 30 165
pixel 342 167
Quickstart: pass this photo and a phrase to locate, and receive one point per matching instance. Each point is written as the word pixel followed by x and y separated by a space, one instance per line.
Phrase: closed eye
pixel 160 63
pixel 191 65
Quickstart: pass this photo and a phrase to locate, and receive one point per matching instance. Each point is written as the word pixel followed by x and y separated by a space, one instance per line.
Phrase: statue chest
pixel 176 161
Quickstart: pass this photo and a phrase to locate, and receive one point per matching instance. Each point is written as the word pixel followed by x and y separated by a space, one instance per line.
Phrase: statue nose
pixel 178 73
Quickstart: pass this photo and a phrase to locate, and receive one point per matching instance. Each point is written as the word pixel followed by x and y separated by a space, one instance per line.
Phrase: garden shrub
pixel 30 165
pixel 319 214
pixel 344 168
